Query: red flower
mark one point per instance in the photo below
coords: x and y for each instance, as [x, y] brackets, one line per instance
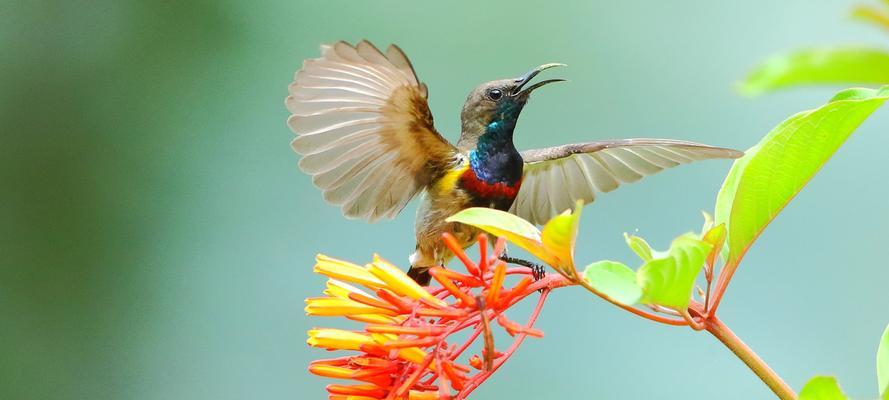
[408, 349]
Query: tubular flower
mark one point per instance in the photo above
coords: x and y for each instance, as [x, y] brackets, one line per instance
[408, 348]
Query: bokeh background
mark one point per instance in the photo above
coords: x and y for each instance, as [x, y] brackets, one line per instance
[157, 238]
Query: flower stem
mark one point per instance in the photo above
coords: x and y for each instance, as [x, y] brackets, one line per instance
[479, 379]
[746, 354]
[634, 310]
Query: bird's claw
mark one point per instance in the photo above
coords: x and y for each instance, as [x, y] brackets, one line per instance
[538, 271]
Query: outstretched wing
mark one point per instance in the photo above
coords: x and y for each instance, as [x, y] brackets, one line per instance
[364, 129]
[556, 177]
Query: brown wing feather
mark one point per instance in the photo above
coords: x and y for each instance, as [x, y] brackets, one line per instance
[581, 170]
[364, 129]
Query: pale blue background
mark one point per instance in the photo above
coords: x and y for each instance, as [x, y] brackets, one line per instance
[157, 237]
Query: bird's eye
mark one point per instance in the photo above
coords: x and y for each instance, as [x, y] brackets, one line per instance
[495, 94]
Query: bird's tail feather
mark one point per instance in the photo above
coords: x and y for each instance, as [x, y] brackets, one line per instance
[420, 275]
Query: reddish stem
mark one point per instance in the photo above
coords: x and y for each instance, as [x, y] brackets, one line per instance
[547, 283]
[482, 377]
[725, 276]
[466, 344]
[749, 357]
[413, 378]
[634, 310]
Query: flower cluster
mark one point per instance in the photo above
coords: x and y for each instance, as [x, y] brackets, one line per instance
[407, 348]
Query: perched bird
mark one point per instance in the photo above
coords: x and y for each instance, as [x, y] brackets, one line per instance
[365, 132]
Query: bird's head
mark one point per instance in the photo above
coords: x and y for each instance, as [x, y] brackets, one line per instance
[500, 101]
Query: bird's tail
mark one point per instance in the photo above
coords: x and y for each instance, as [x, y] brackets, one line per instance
[420, 275]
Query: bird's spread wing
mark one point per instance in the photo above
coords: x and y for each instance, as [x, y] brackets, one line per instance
[364, 128]
[556, 177]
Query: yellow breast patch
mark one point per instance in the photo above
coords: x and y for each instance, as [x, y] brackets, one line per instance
[448, 182]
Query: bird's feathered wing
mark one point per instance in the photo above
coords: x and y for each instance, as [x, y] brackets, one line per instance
[364, 128]
[555, 178]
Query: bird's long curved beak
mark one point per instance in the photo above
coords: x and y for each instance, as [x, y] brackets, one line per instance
[524, 79]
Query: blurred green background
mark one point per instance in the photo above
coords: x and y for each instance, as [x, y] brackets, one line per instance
[157, 237]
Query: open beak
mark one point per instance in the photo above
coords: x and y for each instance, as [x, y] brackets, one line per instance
[524, 79]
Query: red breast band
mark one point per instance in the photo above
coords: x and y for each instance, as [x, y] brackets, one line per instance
[480, 188]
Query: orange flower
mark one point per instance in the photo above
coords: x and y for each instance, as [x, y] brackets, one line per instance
[405, 351]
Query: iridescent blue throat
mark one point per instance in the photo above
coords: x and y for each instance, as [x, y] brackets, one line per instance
[495, 158]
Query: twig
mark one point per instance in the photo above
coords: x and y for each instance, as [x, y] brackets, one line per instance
[749, 357]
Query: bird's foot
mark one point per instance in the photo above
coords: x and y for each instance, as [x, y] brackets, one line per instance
[538, 271]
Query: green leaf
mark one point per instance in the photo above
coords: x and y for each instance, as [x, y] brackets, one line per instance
[771, 173]
[668, 281]
[483, 217]
[639, 246]
[883, 365]
[840, 65]
[560, 235]
[614, 280]
[716, 237]
[508, 226]
[708, 223]
[822, 388]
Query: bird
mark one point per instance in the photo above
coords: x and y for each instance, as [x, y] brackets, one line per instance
[366, 136]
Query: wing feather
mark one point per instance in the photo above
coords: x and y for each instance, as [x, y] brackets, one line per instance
[574, 173]
[327, 160]
[364, 129]
[556, 177]
[603, 179]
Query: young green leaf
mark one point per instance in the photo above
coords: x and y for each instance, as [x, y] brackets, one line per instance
[716, 237]
[883, 365]
[614, 280]
[822, 388]
[482, 217]
[668, 281]
[771, 173]
[559, 236]
[639, 246]
[841, 65]
[508, 226]
[708, 223]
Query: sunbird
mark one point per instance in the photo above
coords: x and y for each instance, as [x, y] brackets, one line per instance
[366, 136]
